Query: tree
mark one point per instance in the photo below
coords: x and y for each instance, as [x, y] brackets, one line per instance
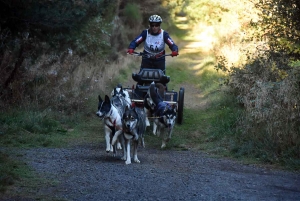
[29, 28]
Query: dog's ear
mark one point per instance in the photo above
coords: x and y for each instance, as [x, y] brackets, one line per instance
[100, 99]
[107, 99]
[115, 91]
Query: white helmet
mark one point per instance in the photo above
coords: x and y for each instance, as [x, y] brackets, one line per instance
[155, 18]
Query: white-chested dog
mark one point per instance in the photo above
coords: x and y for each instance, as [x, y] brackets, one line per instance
[164, 124]
[164, 114]
[111, 112]
[134, 127]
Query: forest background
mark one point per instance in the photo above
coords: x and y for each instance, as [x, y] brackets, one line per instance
[57, 56]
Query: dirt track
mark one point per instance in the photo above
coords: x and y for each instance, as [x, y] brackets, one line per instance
[86, 172]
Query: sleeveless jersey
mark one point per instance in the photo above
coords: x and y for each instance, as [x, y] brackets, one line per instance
[154, 44]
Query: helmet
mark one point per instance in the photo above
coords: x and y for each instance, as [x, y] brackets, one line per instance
[155, 18]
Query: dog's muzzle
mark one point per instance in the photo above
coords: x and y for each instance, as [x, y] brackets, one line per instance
[100, 116]
[128, 128]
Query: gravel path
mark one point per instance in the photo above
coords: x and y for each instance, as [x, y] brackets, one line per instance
[86, 172]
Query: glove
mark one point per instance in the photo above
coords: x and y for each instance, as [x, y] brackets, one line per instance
[174, 54]
[130, 51]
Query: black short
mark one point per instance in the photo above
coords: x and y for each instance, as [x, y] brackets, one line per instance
[153, 63]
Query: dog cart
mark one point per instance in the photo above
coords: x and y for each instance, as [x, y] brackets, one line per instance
[144, 78]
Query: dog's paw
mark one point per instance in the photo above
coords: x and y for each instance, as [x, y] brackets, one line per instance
[147, 122]
[137, 160]
[143, 143]
[136, 137]
[163, 145]
[127, 162]
[119, 145]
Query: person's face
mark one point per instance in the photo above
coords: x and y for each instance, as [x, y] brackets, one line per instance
[154, 27]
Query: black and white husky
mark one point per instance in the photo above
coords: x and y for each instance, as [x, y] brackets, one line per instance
[164, 114]
[134, 127]
[111, 112]
[120, 92]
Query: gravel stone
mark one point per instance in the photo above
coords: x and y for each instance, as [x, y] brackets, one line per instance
[87, 172]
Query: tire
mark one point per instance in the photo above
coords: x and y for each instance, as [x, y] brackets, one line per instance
[180, 106]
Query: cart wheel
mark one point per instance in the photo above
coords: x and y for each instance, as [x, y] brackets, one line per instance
[180, 105]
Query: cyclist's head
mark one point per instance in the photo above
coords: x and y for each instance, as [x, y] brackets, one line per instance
[155, 19]
[154, 22]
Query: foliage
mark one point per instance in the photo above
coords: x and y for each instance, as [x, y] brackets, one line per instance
[45, 21]
[280, 25]
[132, 14]
[271, 102]
[40, 17]
[43, 42]
[267, 85]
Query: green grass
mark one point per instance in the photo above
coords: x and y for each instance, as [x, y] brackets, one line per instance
[9, 171]
[30, 129]
[33, 128]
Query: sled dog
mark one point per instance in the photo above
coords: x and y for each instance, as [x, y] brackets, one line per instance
[134, 127]
[163, 113]
[120, 92]
[149, 104]
[110, 111]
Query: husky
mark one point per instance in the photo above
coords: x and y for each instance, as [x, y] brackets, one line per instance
[119, 91]
[111, 112]
[134, 127]
[165, 124]
[164, 114]
[149, 104]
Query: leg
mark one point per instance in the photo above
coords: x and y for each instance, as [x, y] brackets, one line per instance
[108, 133]
[119, 146]
[164, 141]
[135, 146]
[128, 160]
[122, 140]
[143, 141]
[163, 144]
[116, 136]
[154, 128]
[169, 134]
[157, 127]
[114, 150]
[147, 120]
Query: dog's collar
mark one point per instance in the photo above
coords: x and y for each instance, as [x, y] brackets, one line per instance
[110, 120]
